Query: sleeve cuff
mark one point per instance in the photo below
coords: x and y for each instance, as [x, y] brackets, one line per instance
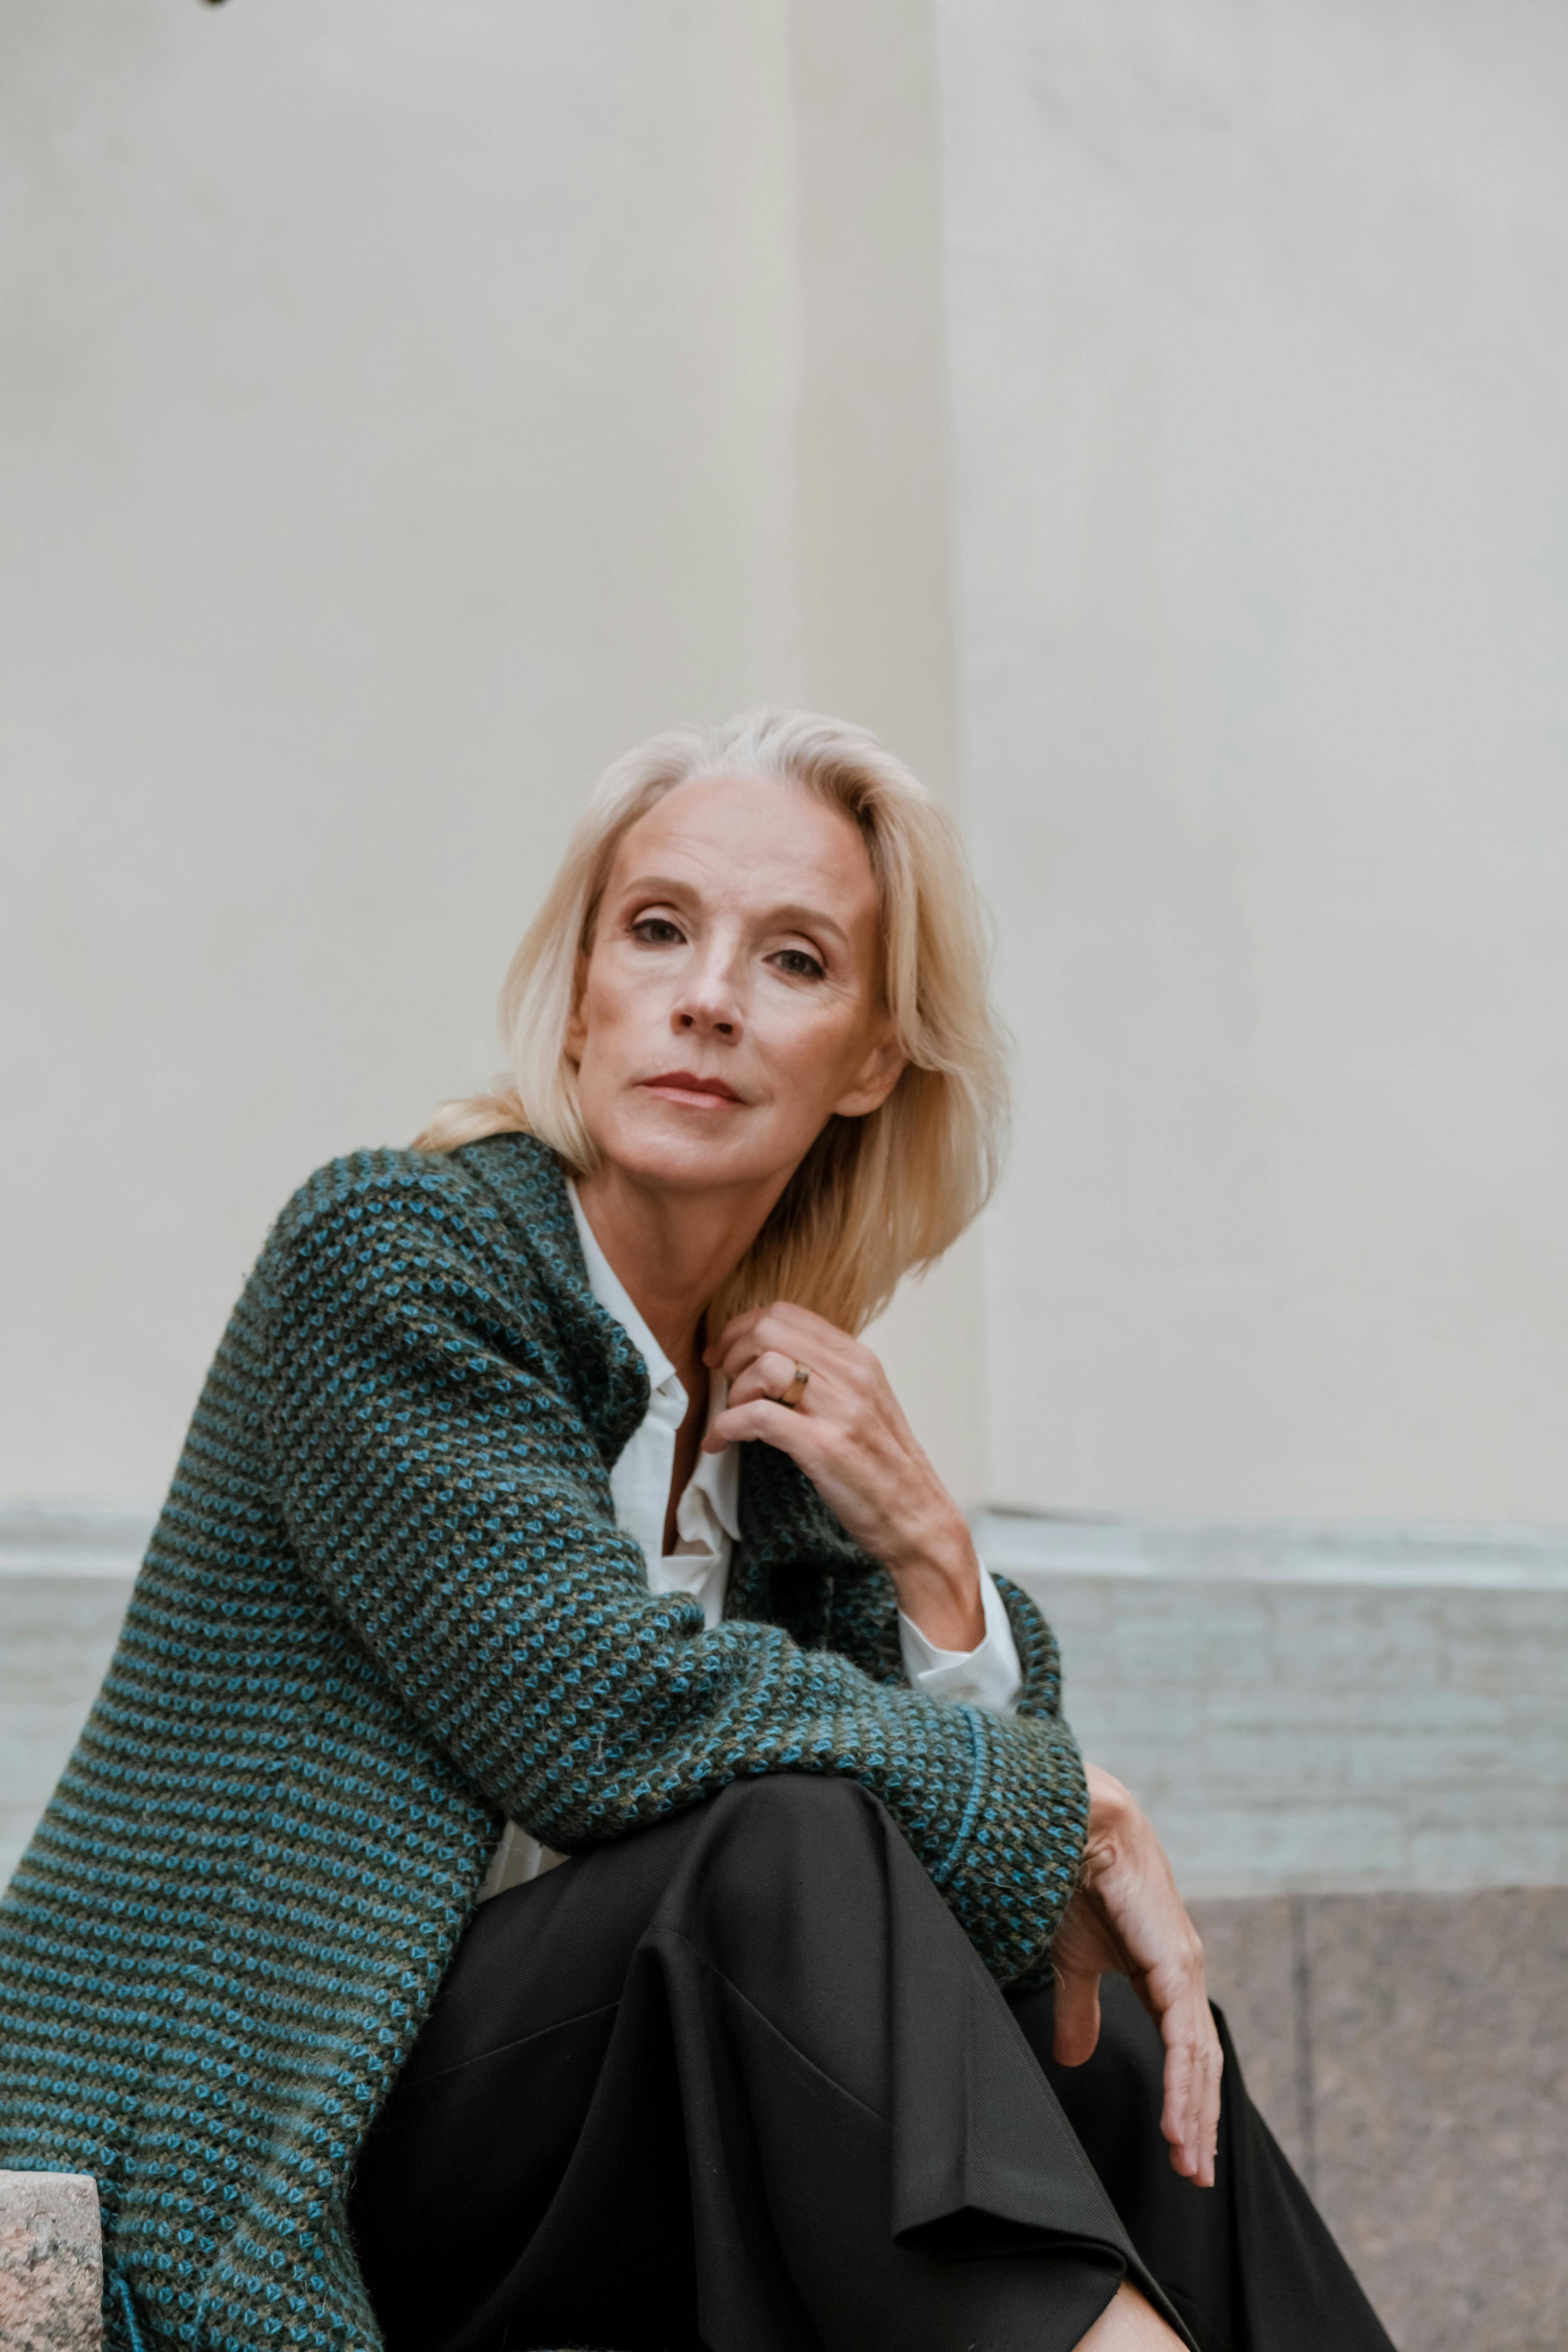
[989, 1675]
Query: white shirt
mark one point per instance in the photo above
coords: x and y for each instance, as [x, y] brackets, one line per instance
[708, 1525]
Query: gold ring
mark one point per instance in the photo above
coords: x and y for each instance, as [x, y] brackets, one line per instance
[796, 1388]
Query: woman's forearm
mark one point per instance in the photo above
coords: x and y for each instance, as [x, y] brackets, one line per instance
[938, 1583]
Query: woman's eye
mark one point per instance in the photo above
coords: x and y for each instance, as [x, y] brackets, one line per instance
[657, 932]
[798, 963]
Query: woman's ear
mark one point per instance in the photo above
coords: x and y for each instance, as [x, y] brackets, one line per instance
[878, 1073]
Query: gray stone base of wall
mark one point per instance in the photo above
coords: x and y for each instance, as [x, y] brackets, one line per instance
[1317, 1710]
[1410, 2054]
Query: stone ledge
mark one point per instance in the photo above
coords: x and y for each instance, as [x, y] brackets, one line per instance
[1304, 1709]
[1317, 1709]
[51, 2263]
[1239, 1551]
[90, 1539]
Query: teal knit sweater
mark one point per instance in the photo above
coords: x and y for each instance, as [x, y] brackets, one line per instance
[387, 1605]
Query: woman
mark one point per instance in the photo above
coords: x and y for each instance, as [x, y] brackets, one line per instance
[542, 1505]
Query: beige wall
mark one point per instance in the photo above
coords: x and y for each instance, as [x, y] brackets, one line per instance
[876, 614]
[1149, 417]
[1257, 326]
[405, 407]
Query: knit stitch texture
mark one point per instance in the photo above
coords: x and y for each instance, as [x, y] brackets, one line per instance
[386, 1607]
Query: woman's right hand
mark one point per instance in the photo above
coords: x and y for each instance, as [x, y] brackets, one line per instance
[1127, 1919]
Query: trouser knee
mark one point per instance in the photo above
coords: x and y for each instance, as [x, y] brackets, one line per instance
[787, 1848]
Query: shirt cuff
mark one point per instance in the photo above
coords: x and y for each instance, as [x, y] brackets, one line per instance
[988, 1675]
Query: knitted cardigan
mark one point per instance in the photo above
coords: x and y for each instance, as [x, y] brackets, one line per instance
[387, 1605]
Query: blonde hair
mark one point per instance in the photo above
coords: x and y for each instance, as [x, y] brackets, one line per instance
[873, 1198]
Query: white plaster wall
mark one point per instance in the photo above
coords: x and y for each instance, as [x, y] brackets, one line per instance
[876, 548]
[402, 407]
[400, 403]
[1258, 331]
[405, 407]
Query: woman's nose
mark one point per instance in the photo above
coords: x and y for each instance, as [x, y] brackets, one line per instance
[709, 1003]
[714, 1019]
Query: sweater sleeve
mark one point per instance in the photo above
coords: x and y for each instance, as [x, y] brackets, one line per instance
[444, 1490]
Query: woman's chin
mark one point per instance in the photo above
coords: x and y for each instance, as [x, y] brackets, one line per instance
[688, 1151]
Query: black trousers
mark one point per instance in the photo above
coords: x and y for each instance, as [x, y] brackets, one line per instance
[740, 2084]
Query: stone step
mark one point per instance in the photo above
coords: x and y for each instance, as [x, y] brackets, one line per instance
[51, 2263]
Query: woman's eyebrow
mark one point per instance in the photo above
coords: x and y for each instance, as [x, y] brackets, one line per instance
[654, 885]
[806, 919]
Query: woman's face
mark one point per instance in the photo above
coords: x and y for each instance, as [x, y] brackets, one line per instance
[731, 1002]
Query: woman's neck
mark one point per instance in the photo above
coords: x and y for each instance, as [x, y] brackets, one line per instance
[672, 1250]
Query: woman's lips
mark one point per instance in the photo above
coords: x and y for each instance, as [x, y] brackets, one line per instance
[696, 1093]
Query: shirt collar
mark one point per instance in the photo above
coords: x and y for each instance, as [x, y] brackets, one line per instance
[717, 1474]
[615, 1299]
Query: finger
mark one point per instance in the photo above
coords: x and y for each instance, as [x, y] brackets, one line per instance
[788, 1325]
[788, 1335]
[1077, 2018]
[1183, 2117]
[738, 1327]
[1212, 2094]
[1179, 2114]
[1204, 2097]
[767, 1375]
[776, 1425]
[741, 1365]
[1190, 2117]
[763, 1338]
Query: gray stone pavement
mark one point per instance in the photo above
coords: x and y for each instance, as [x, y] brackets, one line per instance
[1410, 2052]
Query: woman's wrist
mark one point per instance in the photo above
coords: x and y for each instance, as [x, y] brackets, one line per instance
[1114, 1813]
[938, 1582]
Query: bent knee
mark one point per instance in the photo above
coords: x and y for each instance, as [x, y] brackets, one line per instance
[792, 1804]
[794, 1842]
